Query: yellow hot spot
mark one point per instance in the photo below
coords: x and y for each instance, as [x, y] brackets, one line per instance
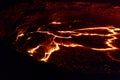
[33, 50]
[19, 35]
[49, 51]
[54, 22]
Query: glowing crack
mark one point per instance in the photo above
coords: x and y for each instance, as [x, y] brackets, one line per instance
[53, 46]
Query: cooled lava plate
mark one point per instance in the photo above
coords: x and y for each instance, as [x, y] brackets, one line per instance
[74, 36]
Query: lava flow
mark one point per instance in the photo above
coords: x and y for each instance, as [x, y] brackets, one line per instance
[55, 39]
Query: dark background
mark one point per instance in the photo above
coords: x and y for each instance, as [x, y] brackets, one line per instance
[17, 66]
[5, 3]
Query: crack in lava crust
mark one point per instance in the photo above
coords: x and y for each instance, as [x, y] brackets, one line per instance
[51, 45]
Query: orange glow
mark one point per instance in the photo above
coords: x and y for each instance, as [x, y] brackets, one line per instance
[19, 35]
[54, 22]
[49, 50]
[54, 46]
[71, 45]
[33, 50]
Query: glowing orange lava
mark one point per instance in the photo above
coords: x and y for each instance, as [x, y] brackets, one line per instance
[53, 45]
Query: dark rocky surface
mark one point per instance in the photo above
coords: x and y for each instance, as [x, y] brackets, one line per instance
[16, 65]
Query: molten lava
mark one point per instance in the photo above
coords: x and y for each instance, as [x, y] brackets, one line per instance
[52, 45]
